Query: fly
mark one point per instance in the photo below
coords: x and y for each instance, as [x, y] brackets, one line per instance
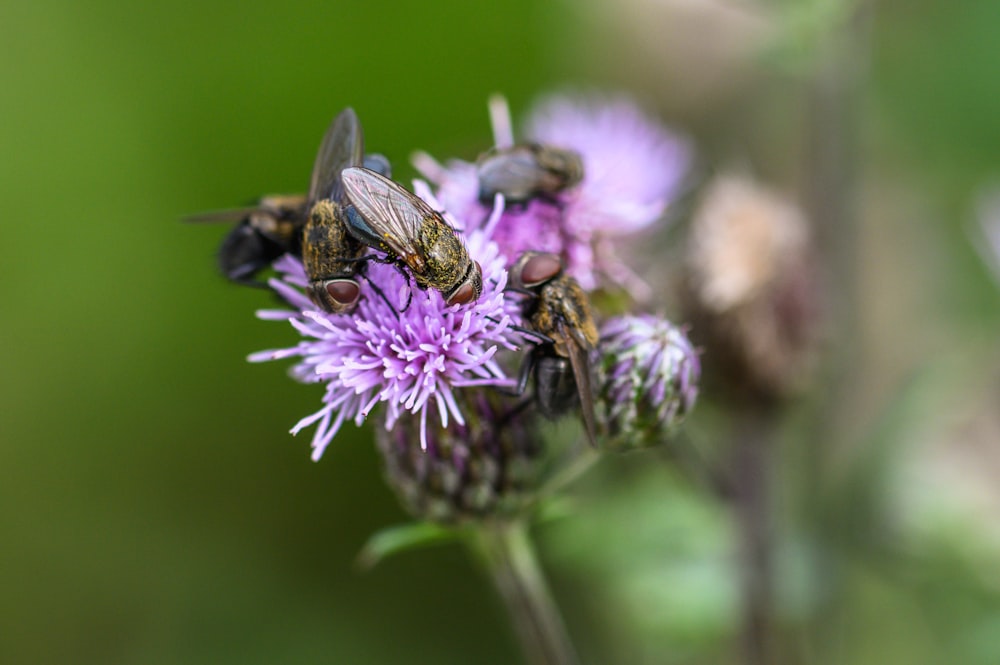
[559, 313]
[411, 235]
[526, 171]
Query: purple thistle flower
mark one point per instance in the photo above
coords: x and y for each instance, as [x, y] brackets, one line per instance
[411, 360]
[650, 380]
[633, 168]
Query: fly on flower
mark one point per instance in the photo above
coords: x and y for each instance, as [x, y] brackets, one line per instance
[332, 256]
[410, 233]
[275, 225]
[526, 171]
[559, 312]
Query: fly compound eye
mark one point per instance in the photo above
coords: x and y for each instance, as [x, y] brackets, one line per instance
[470, 289]
[539, 268]
[343, 293]
[465, 294]
[477, 279]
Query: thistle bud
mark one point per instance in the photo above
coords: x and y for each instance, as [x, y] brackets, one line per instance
[650, 374]
[487, 467]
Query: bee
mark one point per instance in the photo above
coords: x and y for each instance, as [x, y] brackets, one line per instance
[275, 225]
[559, 314]
[526, 171]
[411, 234]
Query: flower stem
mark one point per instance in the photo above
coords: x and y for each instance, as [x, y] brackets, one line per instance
[509, 556]
[752, 489]
[578, 461]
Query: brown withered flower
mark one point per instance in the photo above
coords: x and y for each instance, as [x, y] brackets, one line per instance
[751, 290]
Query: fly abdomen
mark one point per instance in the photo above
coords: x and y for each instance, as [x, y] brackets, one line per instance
[329, 250]
[556, 392]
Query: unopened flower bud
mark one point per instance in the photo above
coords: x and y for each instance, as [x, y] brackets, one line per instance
[490, 466]
[650, 374]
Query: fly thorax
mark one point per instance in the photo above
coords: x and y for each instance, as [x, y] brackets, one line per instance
[443, 251]
[322, 212]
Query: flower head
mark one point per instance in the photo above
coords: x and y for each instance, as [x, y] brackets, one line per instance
[488, 466]
[591, 171]
[753, 288]
[650, 380]
[413, 359]
[632, 169]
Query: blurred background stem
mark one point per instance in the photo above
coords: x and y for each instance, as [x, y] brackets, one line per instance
[834, 134]
[751, 484]
[510, 558]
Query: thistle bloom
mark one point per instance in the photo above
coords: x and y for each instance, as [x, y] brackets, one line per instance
[412, 360]
[420, 360]
[650, 380]
[632, 169]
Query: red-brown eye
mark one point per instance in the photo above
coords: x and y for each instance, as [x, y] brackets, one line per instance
[344, 292]
[539, 269]
[465, 294]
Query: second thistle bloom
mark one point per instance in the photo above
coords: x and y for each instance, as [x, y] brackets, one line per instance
[632, 170]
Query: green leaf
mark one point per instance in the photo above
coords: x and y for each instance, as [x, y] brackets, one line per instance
[394, 539]
[556, 508]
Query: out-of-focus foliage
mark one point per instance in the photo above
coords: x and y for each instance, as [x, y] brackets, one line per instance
[153, 508]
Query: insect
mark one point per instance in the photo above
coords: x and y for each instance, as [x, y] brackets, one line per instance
[263, 233]
[275, 225]
[330, 254]
[526, 171]
[559, 313]
[411, 235]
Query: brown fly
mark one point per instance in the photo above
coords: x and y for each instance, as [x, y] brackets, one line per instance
[558, 312]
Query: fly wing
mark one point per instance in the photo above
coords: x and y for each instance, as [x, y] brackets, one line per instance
[510, 172]
[342, 146]
[278, 207]
[394, 215]
[579, 360]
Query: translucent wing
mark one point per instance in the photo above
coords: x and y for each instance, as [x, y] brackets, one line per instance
[342, 146]
[579, 360]
[276, 207]
[393, 215]
[514, 170]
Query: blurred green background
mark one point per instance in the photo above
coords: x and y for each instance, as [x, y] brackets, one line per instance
[153, 508]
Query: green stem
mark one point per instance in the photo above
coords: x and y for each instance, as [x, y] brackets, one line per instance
[510, 559]
[578, 461]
